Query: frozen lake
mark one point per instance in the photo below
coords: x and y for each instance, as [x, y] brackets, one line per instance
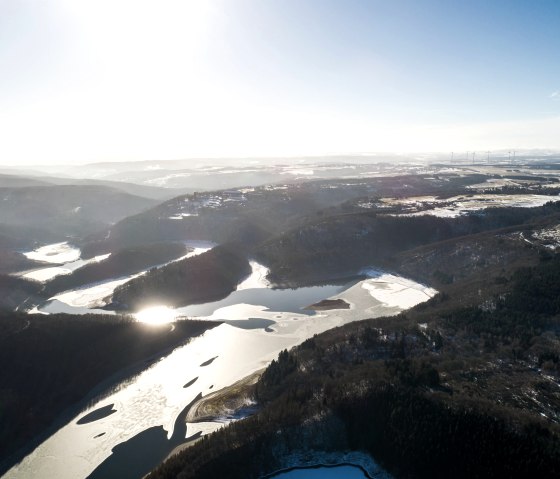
[54, 253]
[335, 472]
[142, 418]
[147, 408]
[89, 298]
[45, 274]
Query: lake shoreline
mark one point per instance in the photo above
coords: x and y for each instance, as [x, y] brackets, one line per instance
[317, 466]
[101, 390]
[292, 326]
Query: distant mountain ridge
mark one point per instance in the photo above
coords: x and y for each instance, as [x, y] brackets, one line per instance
[67, 210]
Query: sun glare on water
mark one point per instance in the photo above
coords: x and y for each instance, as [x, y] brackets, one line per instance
[156, 315]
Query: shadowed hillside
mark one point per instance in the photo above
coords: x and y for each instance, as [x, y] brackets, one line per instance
[207, 277]
[62, 211]
[447, 389]
[121, 263]
[56, 360]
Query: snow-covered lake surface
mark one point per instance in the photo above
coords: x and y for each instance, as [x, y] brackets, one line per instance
[83, 300]
[54, 253]
[65, 257]
[396, 291]
[46, 274]
[257, 279]
[87, 298]
[260, 322]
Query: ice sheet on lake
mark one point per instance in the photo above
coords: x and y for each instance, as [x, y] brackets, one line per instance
[54, 253]
[46, 274]
[90, 296]
[396, 291]
[257, 279]
[157, 395]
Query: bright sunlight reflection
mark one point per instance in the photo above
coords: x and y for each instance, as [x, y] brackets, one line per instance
[156, 315]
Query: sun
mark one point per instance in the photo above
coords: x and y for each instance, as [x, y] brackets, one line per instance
[156, 315]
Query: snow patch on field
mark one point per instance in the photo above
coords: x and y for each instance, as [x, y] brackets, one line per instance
[461, 205]
[549, 237]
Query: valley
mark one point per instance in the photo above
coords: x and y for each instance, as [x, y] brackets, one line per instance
[392, 283]
[279, 239]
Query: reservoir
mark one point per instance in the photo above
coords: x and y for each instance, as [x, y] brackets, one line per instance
[143, 417]
[334, 472]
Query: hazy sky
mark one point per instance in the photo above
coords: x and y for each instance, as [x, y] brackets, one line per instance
[100, 80]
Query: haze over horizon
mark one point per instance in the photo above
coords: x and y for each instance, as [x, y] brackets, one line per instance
[120, 80]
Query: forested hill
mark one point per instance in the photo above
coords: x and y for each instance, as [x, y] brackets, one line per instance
[15, 291]
[209, 276]
[34, 215]
[93, 205]
[343, 243]
[39, 381]
[252, 215]
[11, 260]
[447, 389]
[120, 263]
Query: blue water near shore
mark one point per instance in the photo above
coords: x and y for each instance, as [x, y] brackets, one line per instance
[281, 300]
[278, 300]
[335, 472]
